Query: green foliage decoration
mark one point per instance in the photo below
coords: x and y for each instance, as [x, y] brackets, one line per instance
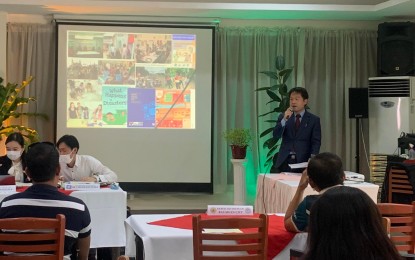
[11, 98]
[238, 136]
[279, 102]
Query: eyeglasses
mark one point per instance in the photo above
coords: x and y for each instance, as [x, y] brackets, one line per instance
[36, 143]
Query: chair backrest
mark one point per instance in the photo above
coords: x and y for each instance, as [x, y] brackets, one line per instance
[250, 244]
[402, 221]
[386, 223]
[32, 236]
[398, 182]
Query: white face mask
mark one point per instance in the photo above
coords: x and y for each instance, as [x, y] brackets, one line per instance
[14, 155]
[65, 158]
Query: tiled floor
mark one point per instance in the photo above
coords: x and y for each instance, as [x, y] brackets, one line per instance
[177, 202]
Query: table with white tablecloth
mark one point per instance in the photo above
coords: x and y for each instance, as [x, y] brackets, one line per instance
[108, 210]
[275, 191]
[165, 243]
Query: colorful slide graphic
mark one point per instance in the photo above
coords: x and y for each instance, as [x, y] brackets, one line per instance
[130, 80]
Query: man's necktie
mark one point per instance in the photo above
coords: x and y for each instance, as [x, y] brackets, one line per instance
[297, 122]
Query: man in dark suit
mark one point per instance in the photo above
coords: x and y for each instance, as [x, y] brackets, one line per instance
[300, 132]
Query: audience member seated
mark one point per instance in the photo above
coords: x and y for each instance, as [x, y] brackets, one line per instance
[43, 200]
[323, 172]
[346, 224]
[75, 167]
[13, 163]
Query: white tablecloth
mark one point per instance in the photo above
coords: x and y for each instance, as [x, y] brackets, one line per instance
[275, 191]
[166, 243]
[108, 212]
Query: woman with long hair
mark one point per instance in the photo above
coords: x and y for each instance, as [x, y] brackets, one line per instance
[345, 224]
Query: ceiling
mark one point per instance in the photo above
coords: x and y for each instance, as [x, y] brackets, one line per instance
[223, 9]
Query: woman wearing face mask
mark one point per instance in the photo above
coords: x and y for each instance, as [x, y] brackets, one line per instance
[13, 163]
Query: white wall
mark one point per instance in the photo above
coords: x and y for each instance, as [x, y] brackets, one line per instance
[3, 43]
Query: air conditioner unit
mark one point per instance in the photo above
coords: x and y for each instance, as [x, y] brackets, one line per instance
[391, 112]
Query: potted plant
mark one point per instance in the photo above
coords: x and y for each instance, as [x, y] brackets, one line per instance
[239, 139]
[11, 98]
[279, 102]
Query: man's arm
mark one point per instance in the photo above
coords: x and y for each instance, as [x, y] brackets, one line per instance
[281, 121]
[83, 245]
[288, 222]
[98, 168]
[316, 138]
[109, 174]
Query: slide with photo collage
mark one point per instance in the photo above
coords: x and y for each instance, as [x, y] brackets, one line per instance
[130, 80]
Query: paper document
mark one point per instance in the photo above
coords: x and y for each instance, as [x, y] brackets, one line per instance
[298, 165]
[353, 176]
[293, 173]
[221, 231]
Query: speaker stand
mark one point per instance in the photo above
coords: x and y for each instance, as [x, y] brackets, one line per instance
[357, 157]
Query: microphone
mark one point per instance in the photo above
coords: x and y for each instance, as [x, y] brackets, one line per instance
[289, 115]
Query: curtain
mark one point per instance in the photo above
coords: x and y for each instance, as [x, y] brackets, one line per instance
[31, 52]
[334, 62]
[326, 62]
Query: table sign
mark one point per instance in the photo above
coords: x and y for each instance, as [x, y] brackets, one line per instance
[7, 189]
[228, 210]
[76, 185]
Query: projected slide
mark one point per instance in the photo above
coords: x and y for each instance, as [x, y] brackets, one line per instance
[130, 80]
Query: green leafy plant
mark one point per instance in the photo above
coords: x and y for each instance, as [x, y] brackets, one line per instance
[238, 136]
[11, 98]
[279, 102]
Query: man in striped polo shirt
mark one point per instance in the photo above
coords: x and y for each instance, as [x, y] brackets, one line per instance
[43, 200]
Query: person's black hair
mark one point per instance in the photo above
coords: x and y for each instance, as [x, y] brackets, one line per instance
[302, 91]
[325, 170]
[345, 224]
[42, 161]
[69, 140]
[17, 137]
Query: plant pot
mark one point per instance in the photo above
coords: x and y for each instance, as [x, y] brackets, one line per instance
[238, 152]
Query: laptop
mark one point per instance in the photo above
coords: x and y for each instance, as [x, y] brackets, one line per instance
[7, 180]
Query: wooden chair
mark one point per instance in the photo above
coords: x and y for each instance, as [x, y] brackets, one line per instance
[386, 223]
[33, 236]
[402, 221]
[254, 242]
[398, 182]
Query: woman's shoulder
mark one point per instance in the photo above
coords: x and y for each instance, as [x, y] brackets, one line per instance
[4, 158]
[5, 164]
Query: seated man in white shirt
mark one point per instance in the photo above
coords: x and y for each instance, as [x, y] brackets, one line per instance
[75, 167]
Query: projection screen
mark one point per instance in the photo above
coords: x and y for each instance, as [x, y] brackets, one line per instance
[139, 99]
